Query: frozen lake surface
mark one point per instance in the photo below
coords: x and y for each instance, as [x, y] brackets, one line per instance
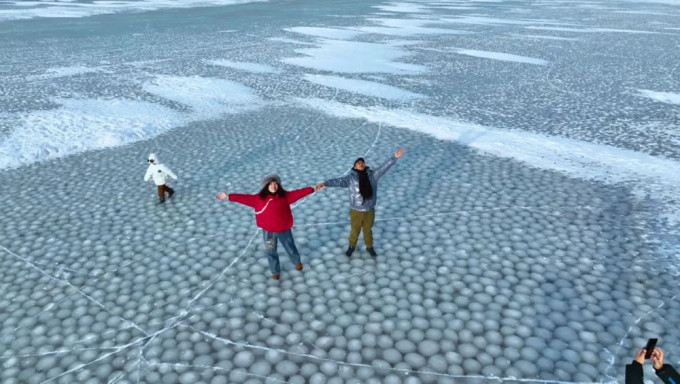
[530, 233]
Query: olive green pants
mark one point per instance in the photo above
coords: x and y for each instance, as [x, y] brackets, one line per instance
[361, 220]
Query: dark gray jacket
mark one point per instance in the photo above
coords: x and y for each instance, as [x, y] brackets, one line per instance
[351, 180]
[667, 374]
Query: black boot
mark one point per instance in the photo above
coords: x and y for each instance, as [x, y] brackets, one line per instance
[349, 251]
[371, 252]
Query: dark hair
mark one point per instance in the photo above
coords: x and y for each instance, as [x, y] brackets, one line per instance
[264, 192]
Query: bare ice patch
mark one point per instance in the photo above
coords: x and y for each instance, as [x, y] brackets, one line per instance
[406, 27]
[53, 73]
[663, 97]
[502, 56]
[83, 124]
[363, 87]
[648, 175]
[243, 66]
[455, 7]
[546, 37]
[290, 41]
[207, 97]
[354, 57]
[590, 30]
[643, 13]
[667, 2]
[483, 20]
[329, 33]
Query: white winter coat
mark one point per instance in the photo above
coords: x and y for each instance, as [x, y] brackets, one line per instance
[160, 173]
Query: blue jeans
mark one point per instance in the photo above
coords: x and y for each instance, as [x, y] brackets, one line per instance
[271, 240]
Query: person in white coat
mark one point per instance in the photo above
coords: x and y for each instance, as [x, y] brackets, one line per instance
[160, 174]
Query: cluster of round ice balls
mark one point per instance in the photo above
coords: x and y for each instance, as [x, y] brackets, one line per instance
[485, 269]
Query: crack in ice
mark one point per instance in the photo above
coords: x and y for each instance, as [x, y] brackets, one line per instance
[288, 328]
[399, 370]
[612, 360]
[67, 283]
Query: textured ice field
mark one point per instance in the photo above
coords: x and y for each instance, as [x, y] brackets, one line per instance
[529, 234]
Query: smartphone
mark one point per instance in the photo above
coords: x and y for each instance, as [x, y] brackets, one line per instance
[651, 344]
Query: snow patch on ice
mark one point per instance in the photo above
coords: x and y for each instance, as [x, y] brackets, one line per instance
[243, 66]
[501, 56]
[80, 125]
[354, 57]
[290, 41]
[329, 33]
[410, 31]
[34, 9]
[363, 87]
[83, 124]
[649, 175]
[207, 97]
[402, 8]
[663, 97]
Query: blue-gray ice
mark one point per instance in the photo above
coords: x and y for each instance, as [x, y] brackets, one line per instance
[529, 233]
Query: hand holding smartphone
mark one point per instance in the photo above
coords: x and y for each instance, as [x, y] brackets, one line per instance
[651, 344]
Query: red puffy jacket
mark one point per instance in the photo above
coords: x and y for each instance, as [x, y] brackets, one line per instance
[272, 213]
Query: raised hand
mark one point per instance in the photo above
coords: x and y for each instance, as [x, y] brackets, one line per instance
[640, 356]
[319, 186]
[221, 196]
[657, 358]
[399, 152]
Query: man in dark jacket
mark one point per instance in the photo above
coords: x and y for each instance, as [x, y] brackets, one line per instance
[666, 372]
[362, 182]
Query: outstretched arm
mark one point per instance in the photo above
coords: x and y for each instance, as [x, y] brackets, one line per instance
[293, 196]
[381, 170]
[245, 199]
[342, 181]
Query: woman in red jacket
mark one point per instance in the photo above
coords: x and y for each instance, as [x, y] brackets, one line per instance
[273, 215]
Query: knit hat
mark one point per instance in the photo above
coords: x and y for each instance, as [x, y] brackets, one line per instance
[153, 158]
[269, 178]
